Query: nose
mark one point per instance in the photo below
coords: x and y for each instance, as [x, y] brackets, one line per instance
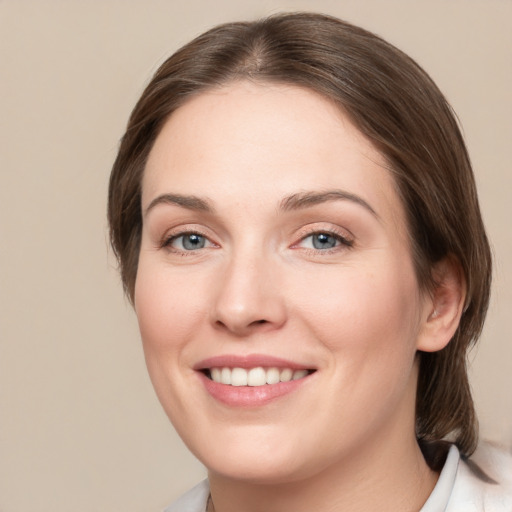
[249, 296]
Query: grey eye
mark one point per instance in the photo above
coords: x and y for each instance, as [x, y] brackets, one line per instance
[323, 241]
[192, 241]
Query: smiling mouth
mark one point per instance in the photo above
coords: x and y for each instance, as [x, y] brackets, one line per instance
[254, 377]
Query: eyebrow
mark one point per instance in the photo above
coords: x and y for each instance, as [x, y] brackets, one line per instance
[185, 201]
[308, 199]
[293, 202]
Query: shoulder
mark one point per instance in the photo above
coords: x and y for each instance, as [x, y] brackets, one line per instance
[193, 500]
[483, 482]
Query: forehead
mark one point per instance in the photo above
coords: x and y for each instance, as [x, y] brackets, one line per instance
[243, 138]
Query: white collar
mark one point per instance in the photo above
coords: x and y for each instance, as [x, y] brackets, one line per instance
[438, 499]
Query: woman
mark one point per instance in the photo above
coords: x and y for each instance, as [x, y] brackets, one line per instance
[297, 226]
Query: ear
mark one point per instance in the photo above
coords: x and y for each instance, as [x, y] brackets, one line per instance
[443, 307]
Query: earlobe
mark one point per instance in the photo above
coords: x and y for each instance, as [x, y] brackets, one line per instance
[444, 306]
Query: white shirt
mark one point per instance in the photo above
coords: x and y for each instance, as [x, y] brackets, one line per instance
[484, 484]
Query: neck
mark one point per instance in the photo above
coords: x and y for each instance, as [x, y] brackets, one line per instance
[395, 481]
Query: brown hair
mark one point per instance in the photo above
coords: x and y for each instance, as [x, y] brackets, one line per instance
[394, 104]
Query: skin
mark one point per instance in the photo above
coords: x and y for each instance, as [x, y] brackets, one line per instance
[353, 312]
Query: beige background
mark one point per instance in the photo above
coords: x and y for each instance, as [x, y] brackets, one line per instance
[80, 428]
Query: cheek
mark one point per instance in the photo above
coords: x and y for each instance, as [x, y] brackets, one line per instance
[167, 311]
[167, 314]
[364, 312]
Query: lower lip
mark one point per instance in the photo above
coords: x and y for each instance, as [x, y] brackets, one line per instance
[250, 396]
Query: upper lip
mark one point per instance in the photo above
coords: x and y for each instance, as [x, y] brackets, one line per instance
[249, 361]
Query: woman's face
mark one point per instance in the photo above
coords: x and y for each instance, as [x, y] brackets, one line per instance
[274, 242]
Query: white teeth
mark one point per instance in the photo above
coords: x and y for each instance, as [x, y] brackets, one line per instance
[216, 374]
[258, 376]
[286, 375]
[225, 376]
[299, 374]
[272, 376]
[238, 377]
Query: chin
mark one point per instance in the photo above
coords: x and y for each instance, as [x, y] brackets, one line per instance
[256, 459]
[257, 469]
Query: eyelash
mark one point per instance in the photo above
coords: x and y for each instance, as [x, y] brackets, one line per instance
[168, 241]
[342, 242]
